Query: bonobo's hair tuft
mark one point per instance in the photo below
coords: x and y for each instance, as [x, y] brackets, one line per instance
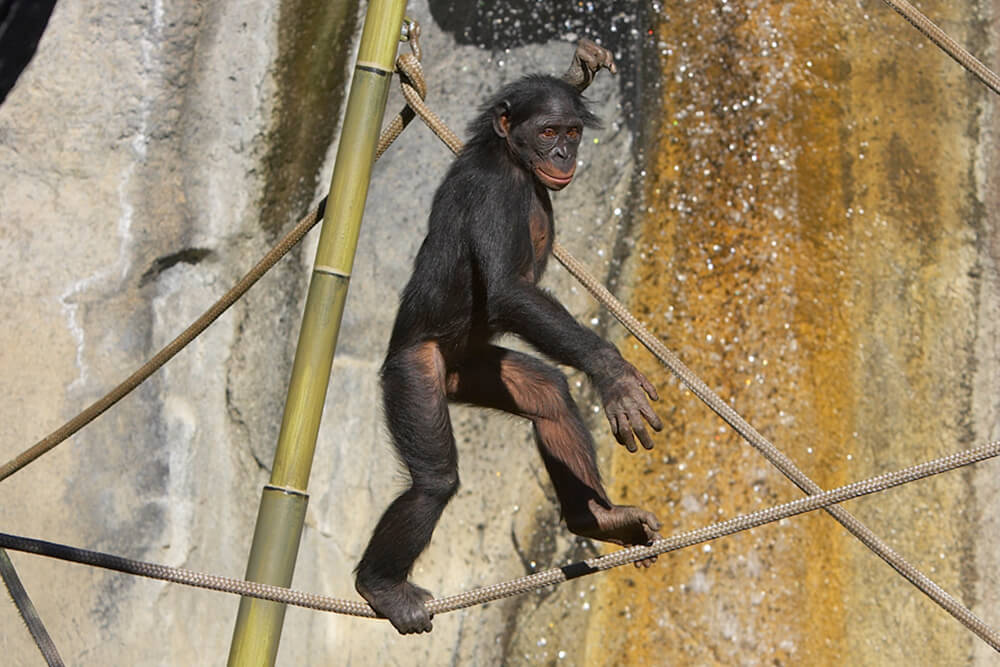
[522, 98]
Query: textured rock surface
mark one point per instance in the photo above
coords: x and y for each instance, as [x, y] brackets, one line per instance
[823, 253]
[151, 152]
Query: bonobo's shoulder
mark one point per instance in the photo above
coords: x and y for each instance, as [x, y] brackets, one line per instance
[473, 176]
[458, 199]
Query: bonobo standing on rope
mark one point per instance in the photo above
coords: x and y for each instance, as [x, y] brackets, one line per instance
[475, 276]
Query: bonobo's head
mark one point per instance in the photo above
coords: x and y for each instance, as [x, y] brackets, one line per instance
[541, 119]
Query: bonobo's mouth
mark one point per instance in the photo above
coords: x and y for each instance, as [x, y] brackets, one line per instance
[557, 180]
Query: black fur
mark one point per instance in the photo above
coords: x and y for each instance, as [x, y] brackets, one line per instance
[475, 276]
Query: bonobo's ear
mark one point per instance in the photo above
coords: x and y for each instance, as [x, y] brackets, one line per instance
[501, 118]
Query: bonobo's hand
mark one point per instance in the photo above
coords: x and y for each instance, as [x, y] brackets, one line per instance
[587, 62]
[623, 392]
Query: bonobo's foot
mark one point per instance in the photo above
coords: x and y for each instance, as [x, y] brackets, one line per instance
[619, 524]
[402, 603]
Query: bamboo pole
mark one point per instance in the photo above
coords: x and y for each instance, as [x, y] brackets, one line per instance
[283, 501]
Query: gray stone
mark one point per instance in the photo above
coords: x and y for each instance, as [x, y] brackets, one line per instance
[143, 167]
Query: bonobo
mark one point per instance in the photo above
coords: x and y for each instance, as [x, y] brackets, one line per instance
[475, 277]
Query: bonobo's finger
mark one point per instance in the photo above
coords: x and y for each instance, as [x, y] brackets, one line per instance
[650, 524]
[609, 62]
[595, 56]
[653, 523]
[624, 435]
[645, 562]
[651, 417]
[635, 420]
[645, 438]
[648, 387]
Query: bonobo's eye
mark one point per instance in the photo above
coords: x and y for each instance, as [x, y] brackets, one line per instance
[548, 133]
[574, 133]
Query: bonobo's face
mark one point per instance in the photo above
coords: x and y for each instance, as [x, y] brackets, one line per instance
[546, 141]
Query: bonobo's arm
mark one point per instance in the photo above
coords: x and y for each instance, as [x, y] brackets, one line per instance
[587, 62]
[519, 307]
[619, 384]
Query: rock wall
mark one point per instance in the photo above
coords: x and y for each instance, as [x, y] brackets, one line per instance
[820, 247]
[800, 200]
[150, 154]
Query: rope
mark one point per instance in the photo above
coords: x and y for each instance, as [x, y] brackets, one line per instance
[414, 90]
[28, 612]
[516, 586]
[773, 454]
[280, 249]
[932, 32]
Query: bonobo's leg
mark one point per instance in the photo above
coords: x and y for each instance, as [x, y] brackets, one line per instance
[416, 411]
[523, 385]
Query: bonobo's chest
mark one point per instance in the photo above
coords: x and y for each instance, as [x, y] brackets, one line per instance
[540, 231]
